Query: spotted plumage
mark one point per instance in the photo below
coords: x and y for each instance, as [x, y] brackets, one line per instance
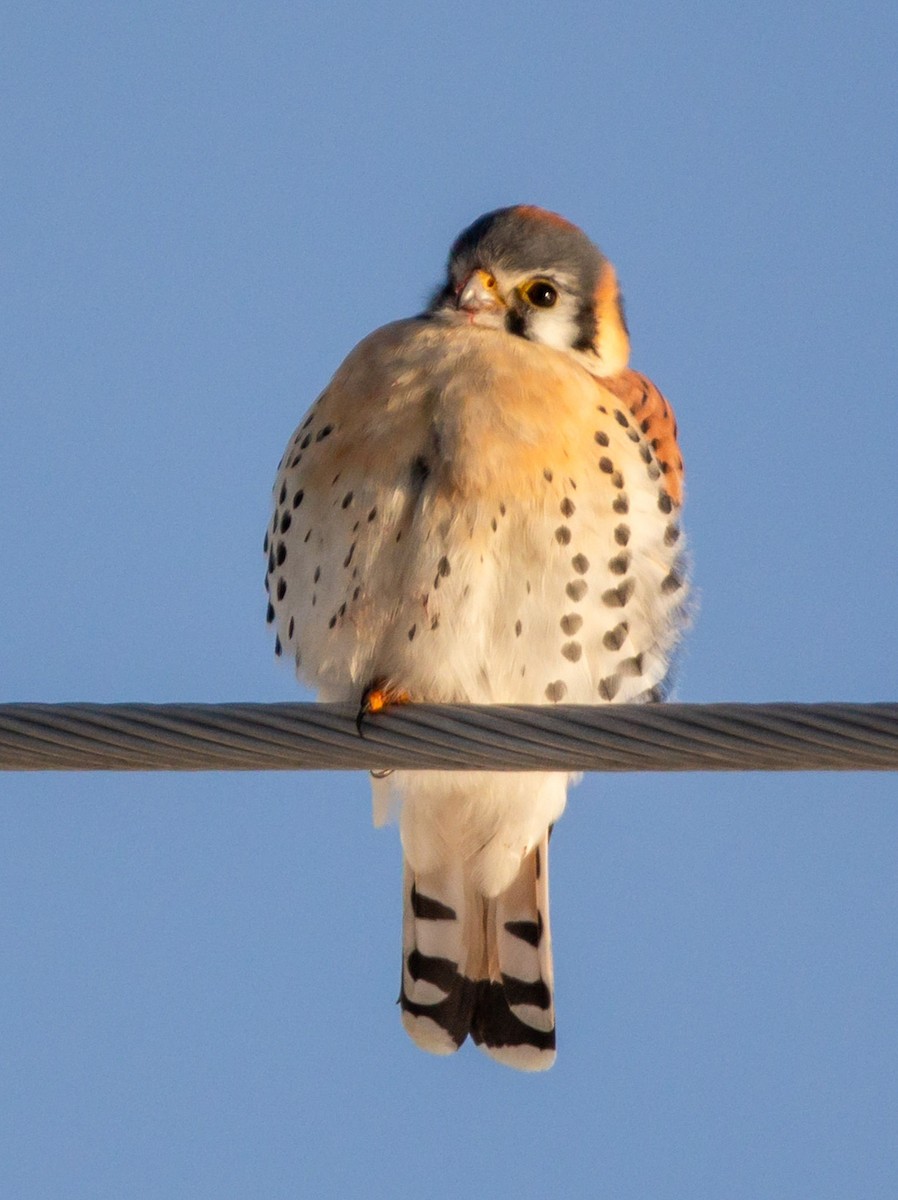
[482, 507]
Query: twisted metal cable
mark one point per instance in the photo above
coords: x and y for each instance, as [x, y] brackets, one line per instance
[296, 737]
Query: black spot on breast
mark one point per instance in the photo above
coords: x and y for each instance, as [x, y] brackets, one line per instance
[306, 538]
[278, 648]
[577, 589]
[606, 465]
[571, 623]
[614, 639]
[580, 563]
[547, 475]
[645, 453]
[298, 498]
[294, 462]
[286, 522]
[602, 438]
[269, 616]
[412, 632]
[306, 442]
[518, 628]
[283, 496]
[563, 535]
[567, 507]
[572, 651]
[665, 503]
[265, 543]
[618, 597]
[556, 691]
[671, 535]
[622, 535]
[609, 687]
[494, 526]
[356, 593]
[291, 627]
[671, 583]
[317, 575]
[443, 567]
[347, 500]
[323, 432]
[621, 418]
[281, 588]
[631, 666]
[348, 559]
[332, 622]
[621, 505]
[420, 472]
[502, 509]
[619, 565]
[281, 554]
[617, 479]
[372, 514]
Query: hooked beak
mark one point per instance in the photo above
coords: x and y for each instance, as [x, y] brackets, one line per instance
[479, 293]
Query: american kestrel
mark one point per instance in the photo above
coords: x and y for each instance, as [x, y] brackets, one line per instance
[482, 506]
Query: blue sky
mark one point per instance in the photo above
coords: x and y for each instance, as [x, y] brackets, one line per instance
[202, 209]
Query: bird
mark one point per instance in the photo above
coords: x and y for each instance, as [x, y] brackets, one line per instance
[483, 506]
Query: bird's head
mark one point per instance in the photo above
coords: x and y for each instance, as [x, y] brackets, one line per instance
[534, 275]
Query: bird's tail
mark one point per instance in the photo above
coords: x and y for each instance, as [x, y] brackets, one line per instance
[480, 965]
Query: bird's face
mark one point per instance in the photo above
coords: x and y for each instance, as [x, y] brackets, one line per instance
[533, 275]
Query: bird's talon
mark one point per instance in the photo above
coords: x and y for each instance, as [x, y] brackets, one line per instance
[376, 699]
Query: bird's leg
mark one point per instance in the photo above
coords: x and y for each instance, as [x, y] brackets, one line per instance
[375, 698]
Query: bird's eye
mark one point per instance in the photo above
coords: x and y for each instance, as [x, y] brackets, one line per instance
[541, 294]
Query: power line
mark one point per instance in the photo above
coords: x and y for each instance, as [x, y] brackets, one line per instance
[295, 737]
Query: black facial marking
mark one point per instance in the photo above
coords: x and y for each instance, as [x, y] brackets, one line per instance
[515, 323]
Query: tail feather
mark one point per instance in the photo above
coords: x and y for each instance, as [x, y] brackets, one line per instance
[437, 997]
[479, 965]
